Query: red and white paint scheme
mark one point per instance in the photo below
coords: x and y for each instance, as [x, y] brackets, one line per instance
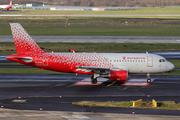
[115, 66]
[7, 7]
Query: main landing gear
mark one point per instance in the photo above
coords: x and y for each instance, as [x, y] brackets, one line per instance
[94, 78]
[148, 78]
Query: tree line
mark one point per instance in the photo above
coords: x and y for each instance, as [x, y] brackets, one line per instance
[100, 3]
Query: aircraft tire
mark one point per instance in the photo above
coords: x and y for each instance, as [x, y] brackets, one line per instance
[93, 80]
[148, 80]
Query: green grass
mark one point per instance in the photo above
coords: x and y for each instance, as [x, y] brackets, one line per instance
[9, 48]
[142, 11]
[176, 63]
[28, 71]
[55, 30]
[163, 105]
[92, 26]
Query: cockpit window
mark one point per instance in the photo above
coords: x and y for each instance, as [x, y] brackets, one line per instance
[162, 60]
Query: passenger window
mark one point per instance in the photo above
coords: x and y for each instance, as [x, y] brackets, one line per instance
[114, 60]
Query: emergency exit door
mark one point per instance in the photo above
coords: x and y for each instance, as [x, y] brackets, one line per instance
[149, 61]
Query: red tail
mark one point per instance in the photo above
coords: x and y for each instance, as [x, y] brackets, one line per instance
[22, 40]
[10, 2]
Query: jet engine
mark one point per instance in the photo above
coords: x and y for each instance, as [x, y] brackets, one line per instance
[120, 75]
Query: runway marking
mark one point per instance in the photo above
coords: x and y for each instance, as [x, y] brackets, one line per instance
[111, 84]
[137, 82]
[87, 81]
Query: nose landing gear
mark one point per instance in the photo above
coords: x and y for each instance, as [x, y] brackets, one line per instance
[148, 78]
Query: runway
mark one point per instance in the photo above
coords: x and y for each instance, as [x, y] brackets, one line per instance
[98, 39]
[40, 89]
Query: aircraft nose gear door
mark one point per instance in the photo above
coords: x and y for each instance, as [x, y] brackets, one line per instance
[149, 61]
[45, 62]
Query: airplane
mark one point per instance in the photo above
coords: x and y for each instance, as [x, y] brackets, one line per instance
[6, 6]
[115, 66]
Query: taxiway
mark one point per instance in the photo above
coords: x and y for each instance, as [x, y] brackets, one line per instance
[98, 39]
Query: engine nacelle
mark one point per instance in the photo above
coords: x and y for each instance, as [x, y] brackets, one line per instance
[121, 75]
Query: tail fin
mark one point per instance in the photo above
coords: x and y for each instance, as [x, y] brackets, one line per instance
[22, 40]
[10, 2]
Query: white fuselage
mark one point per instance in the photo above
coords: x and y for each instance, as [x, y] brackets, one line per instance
[139, 62]
[3, 6]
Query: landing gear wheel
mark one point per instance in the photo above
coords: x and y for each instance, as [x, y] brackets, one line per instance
[148, 80]
[93, 80]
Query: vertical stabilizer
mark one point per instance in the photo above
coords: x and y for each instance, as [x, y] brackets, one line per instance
[10, 2]
[22, 40]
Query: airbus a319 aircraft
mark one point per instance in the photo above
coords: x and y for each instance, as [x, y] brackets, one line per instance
[6, 6]
[115, 66]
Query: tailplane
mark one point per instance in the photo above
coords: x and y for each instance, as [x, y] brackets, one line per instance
[22, 40]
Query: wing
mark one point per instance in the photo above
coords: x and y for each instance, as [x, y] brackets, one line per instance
[98, 70]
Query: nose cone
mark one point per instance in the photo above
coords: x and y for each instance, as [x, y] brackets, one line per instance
[171, 66]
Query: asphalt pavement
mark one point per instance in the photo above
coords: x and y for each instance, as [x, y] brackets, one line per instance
[98, 39]
[59, 92]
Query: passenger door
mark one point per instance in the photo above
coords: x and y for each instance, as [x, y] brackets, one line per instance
[149, 61]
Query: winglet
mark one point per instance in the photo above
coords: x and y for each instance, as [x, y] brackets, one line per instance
[22, 40]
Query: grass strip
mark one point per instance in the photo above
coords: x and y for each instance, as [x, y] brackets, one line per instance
[9, 48]
[142, 11]
[51, 30]
[28, 71]
[162, 105]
